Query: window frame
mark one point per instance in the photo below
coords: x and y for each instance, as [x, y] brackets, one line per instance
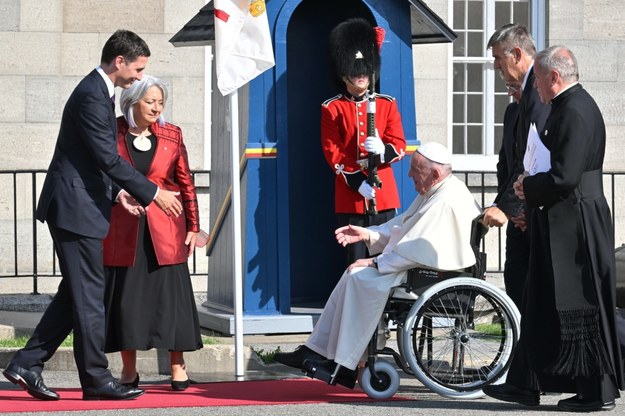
[486, 161]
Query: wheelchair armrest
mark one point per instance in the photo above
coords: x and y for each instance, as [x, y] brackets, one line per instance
[419, 278]
[478, 231]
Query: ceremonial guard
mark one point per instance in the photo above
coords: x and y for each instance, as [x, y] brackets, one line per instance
[346, 141]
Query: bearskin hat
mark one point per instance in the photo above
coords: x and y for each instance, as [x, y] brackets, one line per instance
[355, 49]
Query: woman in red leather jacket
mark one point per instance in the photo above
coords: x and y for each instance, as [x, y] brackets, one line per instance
[150, 301]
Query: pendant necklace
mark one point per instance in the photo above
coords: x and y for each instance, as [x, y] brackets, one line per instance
[142, 143]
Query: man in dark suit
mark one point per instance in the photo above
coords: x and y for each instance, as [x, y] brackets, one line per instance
[515, 257]
[505, 165]
[568, 341]
[84, 175]
[513, 51]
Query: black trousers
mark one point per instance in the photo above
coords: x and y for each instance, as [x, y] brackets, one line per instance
[359, 250]
[79, 306]
[517, 263]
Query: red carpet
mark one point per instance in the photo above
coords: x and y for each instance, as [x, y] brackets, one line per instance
[296, 391]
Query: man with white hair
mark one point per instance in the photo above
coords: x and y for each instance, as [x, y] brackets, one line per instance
[569, 342]
[434, 232]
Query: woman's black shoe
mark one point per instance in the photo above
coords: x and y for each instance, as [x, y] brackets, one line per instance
[133, 384]
[180, 385]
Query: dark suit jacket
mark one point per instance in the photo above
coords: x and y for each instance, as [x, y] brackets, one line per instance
[531, 110]
[505, 165]
[76, 194]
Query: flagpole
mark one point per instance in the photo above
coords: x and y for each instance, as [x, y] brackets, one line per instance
[236, 235]
[243, 51]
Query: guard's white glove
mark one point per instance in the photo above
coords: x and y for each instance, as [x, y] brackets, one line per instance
[366, 190]
[374, 144]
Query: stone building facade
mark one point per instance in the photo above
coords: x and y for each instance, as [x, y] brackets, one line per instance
[592, 29]
[46, 47]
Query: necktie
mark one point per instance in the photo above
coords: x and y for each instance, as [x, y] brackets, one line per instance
[113, 102]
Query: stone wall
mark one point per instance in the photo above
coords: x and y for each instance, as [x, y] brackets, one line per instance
[431, 73]
[593, 30]
[47, 47]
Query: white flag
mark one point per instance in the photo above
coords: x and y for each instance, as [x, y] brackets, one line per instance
[242, 42]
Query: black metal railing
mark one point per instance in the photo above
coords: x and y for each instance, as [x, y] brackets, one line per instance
[26, 249]
[483, 186]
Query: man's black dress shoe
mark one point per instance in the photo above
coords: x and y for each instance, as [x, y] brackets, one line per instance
[30, 381]
[323, 370]
[508, 393]
[296, 358]
[111, 391]
[577, 404]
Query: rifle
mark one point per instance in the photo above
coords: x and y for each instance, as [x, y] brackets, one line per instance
[372, 162]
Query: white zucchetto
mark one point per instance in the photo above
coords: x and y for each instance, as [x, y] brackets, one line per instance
[435, 152]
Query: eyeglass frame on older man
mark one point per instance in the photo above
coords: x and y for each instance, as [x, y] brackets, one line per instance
[512, 89]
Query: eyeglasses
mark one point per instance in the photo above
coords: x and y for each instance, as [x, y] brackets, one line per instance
[512, 89]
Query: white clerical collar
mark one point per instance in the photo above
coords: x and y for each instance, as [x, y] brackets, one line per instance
[107, 80]
[565, 88]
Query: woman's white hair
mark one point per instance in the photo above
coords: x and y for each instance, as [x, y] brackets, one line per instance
[131, 96]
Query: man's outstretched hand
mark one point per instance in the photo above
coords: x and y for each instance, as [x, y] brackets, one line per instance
[168, 202]
[351, 234]
[130, 204]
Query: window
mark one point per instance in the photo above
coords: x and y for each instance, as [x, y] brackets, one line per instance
[479, 95]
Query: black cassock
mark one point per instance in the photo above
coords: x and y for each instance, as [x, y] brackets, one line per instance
[568, 329]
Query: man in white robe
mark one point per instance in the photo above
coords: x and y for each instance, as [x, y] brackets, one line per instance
[434, 232]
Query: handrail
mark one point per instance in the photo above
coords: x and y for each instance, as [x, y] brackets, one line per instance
[223, 210]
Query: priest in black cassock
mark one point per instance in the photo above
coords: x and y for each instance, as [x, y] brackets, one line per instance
[569, 341]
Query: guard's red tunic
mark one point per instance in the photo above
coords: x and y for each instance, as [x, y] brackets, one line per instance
[343, 134]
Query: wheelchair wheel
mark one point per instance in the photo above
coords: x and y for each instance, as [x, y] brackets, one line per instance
[459, 336]
[384, 387]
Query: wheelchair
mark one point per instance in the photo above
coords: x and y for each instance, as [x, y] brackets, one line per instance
[457, 336]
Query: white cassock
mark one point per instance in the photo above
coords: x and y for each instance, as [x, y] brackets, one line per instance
[433, 232]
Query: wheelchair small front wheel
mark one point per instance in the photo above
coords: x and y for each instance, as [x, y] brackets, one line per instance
[384, 386]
